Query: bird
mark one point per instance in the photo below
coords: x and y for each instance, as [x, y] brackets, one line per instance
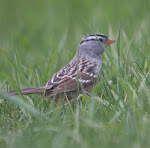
[79, 75]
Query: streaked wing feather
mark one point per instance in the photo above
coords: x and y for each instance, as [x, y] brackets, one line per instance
[68, 84]
[66, 79]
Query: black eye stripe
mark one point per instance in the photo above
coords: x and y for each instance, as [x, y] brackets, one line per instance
[101, 40]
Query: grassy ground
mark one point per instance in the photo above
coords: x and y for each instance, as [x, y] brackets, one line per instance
[38, 38]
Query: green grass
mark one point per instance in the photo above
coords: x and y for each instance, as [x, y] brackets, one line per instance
[38, 38]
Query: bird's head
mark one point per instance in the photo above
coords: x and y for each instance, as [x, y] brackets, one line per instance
[93, 45]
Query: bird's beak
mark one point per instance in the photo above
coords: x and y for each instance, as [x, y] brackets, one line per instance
[110, 41]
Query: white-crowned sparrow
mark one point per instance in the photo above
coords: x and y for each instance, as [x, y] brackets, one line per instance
[80, 73]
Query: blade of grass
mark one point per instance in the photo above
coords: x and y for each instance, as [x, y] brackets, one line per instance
[13, 82]
[17, 101]
[118, 65]
[127, 55]
[142, 71]
[9, 60]
[11, 63]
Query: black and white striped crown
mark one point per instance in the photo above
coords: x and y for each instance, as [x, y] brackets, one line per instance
[93, 37]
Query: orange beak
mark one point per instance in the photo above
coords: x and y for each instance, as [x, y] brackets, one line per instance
[110, 41]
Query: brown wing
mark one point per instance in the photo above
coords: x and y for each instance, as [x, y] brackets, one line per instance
[66, 79]
[68, 84]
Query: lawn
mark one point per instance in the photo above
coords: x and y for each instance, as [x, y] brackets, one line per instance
[37, 38]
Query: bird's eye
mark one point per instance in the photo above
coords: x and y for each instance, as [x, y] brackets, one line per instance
[101, 40]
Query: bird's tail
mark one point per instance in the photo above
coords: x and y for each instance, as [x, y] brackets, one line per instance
[26, 91]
